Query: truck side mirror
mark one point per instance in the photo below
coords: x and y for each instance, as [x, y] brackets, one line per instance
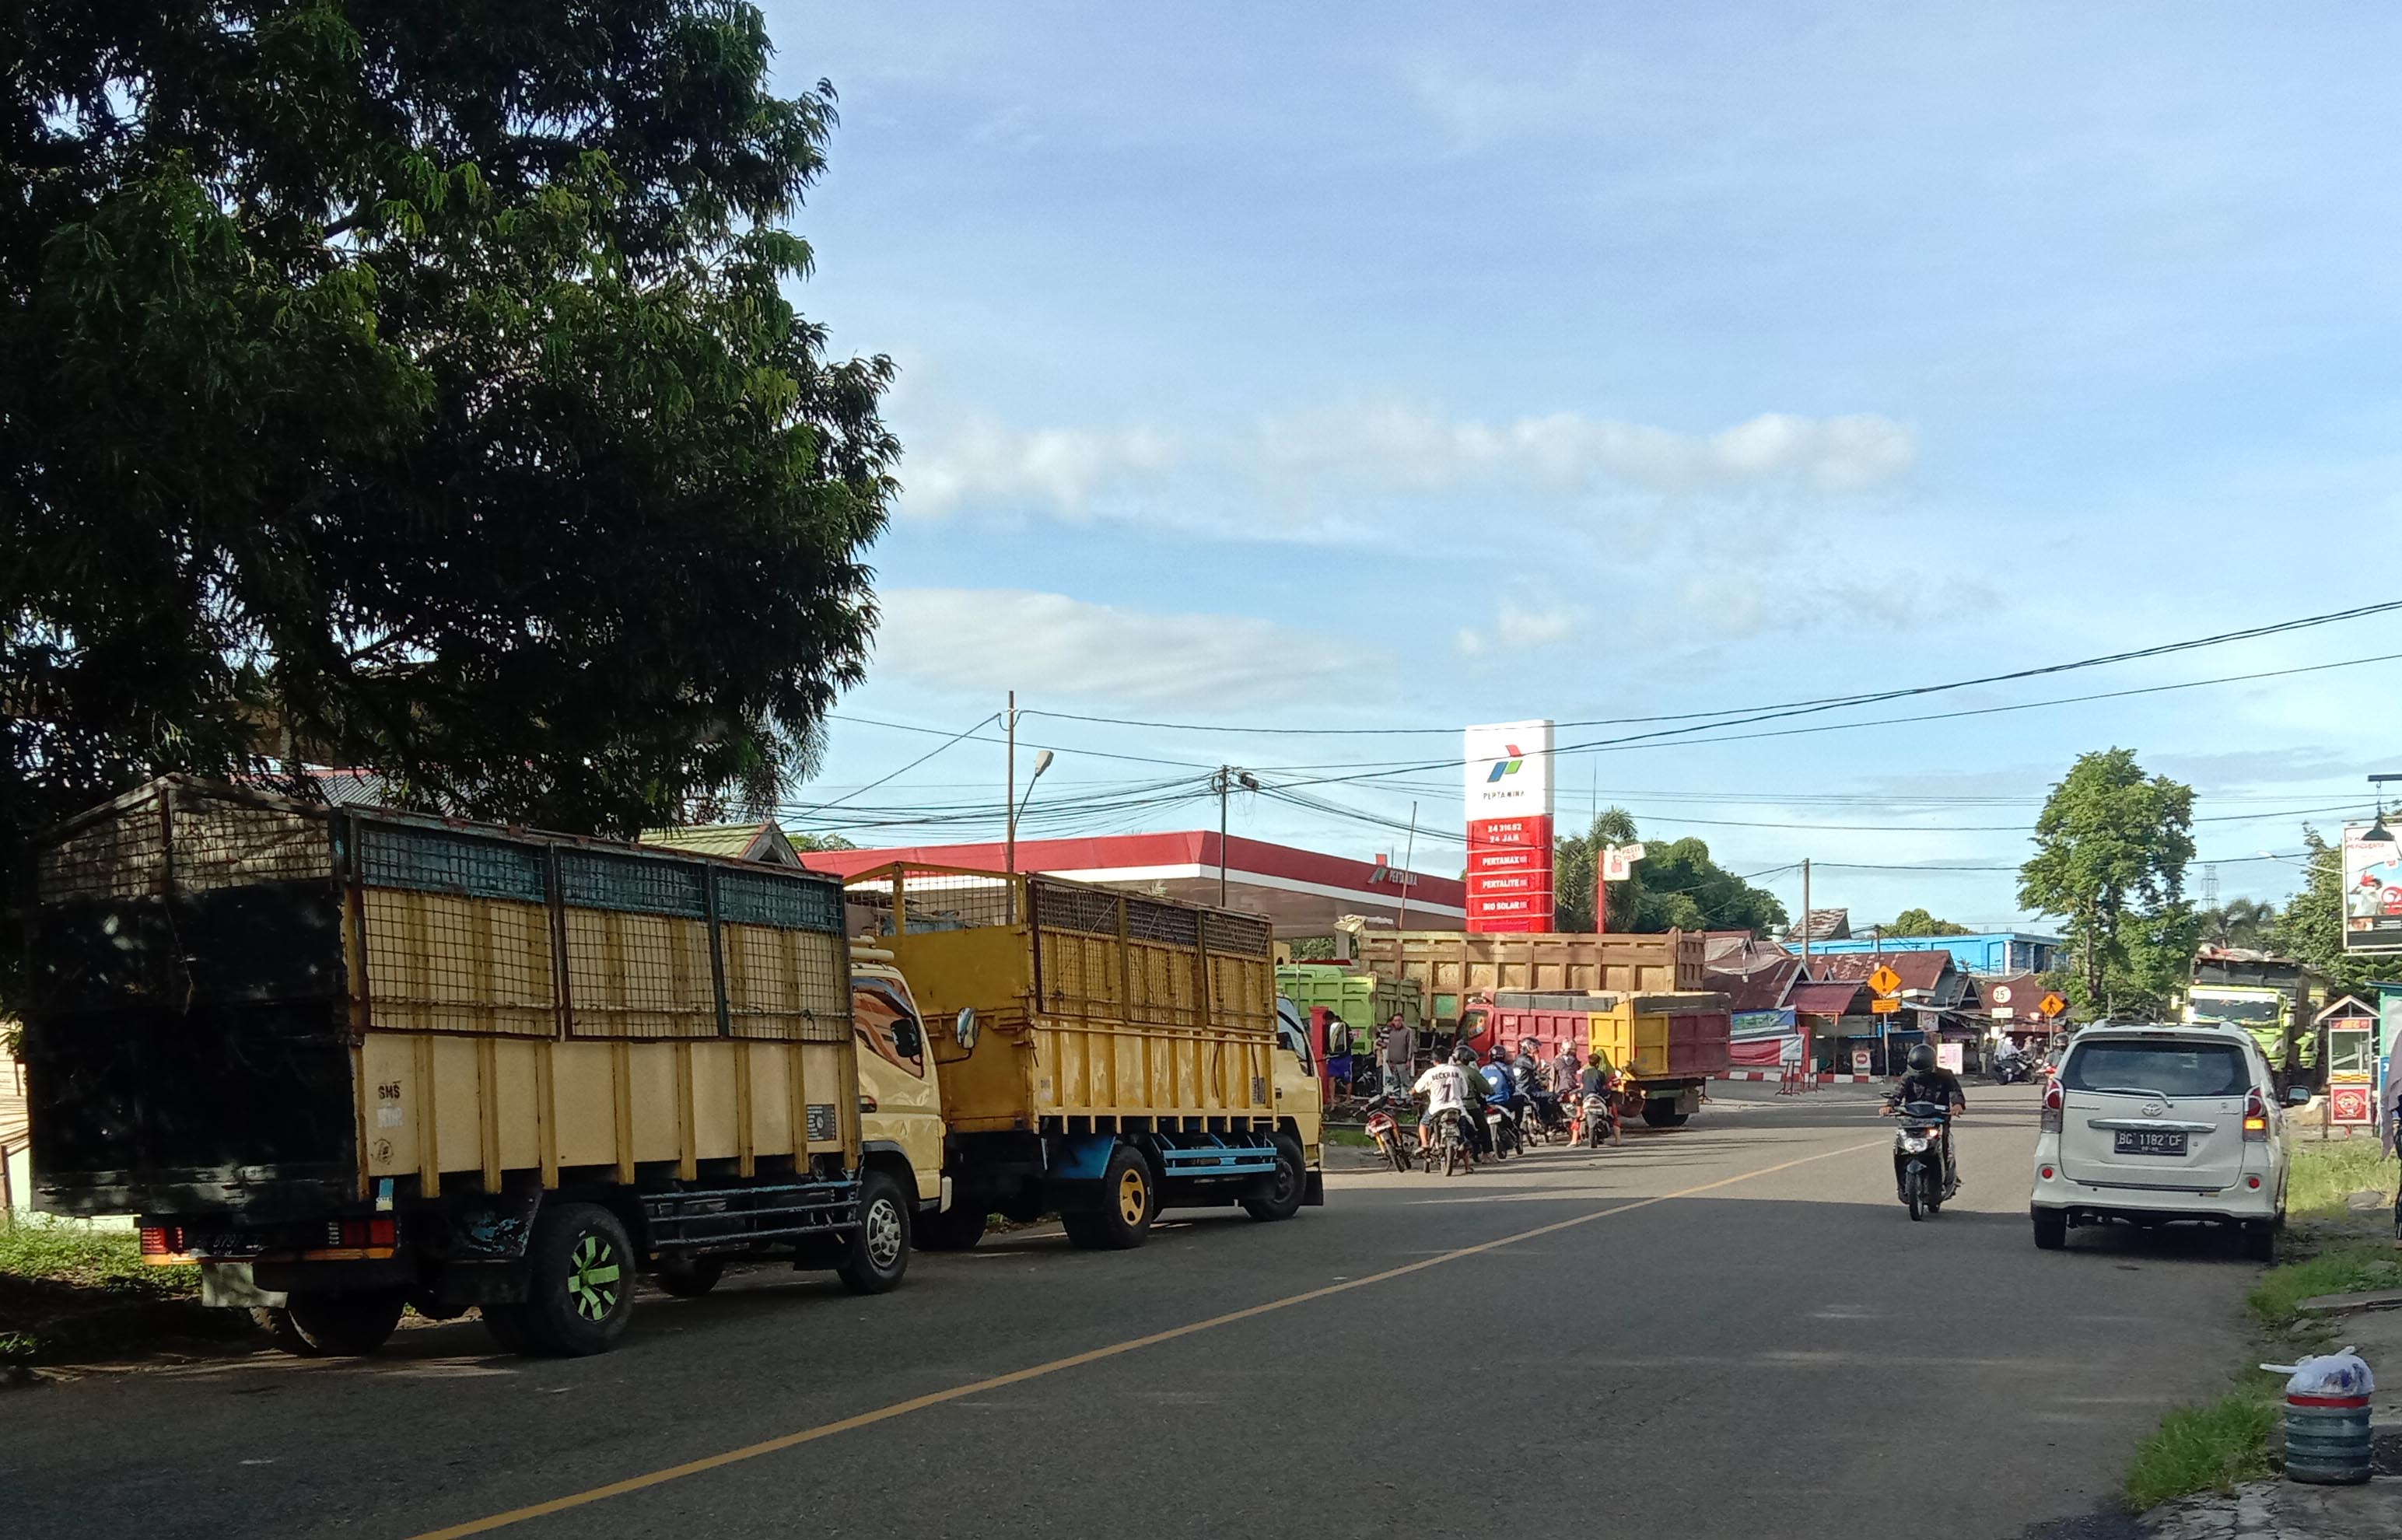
[965, 1028]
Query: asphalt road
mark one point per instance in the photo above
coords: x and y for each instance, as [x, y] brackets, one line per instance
[1732, 1329]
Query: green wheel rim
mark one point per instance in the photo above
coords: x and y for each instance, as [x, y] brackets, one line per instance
[594, 1276]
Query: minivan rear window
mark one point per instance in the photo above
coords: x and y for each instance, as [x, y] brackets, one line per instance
[2170, 1068]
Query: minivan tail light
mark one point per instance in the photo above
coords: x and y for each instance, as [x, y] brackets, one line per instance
[2256, 1117]
[2052, 1104]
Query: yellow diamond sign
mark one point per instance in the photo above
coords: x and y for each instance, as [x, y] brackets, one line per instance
[1884, 980]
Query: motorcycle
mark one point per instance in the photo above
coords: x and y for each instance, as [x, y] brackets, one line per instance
[1447, 1147]
[1503, 1126]
[1547, 1120]
[1923, 1177]
[1597, 1120]
[1386, 1130]
[2016, 1070]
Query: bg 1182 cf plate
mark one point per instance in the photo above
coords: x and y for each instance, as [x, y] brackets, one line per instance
[2148, 1141]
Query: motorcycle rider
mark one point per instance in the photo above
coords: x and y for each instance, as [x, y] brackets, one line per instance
[1527, 1071]
[1595, 1079]
[2006, 1056]
[1445, 1087]
[1501, 1091]
[1565, 1069]
[1928, 1081]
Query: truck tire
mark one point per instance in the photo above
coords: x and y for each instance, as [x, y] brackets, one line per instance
[333, 1325]
[690, 1277]
[1284, 1200]
[956, 1229]
[580, 1293]
[1665, 1115]
[879, 1252]
[2050, 1229]
[1129, 1203]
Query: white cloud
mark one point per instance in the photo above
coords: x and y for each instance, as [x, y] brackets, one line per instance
[1081, 473]
[983, 641]
[1062, 470]
[1517, 629]
[1568, 453]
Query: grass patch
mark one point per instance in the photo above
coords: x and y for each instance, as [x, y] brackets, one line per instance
[1349, 1138]
[68, 1289]
[2326, 1173]
[2208, 1447]
[2351, 1268]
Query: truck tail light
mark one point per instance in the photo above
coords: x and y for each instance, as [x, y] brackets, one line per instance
[2052, 1100]
[2256, 1117]
[163, 1246]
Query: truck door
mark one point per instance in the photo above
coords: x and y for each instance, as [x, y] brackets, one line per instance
[896, 1072]
[1299, 1093]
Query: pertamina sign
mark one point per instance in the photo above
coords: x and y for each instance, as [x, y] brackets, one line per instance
[1509, 787]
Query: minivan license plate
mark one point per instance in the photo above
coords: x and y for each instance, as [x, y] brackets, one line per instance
[2148, 1141]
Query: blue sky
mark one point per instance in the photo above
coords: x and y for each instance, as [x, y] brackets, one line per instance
[1372, 366]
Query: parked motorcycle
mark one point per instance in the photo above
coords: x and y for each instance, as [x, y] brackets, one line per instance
[1923, 1177]
[1386, 1130]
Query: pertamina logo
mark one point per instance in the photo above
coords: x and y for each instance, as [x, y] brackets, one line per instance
[1506, 767]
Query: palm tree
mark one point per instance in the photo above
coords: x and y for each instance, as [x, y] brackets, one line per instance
[2238, 923]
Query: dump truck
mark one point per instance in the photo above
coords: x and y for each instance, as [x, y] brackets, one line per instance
[1110, 1054]
[352, 1060]
[1666, 1046]
[1362, 1002]
[1454, 968]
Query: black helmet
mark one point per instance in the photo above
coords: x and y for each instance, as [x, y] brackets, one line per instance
[1922, 1057]
[1463, 1054]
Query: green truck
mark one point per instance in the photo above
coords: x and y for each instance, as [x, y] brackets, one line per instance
[1361, 1002]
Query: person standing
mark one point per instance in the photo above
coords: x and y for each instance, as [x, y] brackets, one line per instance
[1396, 1049]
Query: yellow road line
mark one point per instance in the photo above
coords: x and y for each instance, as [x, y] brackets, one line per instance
[1077, 1360]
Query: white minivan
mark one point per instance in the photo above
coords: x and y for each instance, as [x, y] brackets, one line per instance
[2153, 1125]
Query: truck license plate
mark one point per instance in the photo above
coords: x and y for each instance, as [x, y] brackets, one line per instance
[2148, 1141]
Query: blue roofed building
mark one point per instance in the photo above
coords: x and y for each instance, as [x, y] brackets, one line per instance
[1994, 952]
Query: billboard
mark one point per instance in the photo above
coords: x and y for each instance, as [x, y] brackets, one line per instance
[1508, 781]
[2372, 889]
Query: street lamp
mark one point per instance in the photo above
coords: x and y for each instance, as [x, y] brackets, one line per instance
[2378, 831]
[1017, 809]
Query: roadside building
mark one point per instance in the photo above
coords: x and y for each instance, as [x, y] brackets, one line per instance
[1758, 979]
[750, 842]
[1940, 1003]
[2002, 952]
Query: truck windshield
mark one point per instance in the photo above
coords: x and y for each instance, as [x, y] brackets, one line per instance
[2249, 1012]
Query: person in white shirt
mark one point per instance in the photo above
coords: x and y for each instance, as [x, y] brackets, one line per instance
[1445, 1088]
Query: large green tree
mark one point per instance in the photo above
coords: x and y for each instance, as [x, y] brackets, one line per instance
[413, 384]
[2238, 922]
[2310, 930]
[2111, 848]
[1676, 886]
[1919, 922]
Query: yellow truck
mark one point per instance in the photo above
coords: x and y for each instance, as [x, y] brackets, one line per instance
[1107, 1055]
[351, 1060]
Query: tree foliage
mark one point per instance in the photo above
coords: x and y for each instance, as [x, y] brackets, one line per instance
[1676, 886]
[413, 385]
[1918, 922]
[2310, 928]
[2111, 849]
[2248, 923]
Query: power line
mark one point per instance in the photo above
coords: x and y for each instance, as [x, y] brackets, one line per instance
[1818, 703]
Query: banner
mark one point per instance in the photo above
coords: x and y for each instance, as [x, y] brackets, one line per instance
[2372, 891]
[1508, 794]
[1762, 1024]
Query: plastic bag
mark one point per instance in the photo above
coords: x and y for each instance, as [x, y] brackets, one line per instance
[2343, 1372]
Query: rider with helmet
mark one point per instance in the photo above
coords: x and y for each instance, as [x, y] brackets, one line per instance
[1929, 1081]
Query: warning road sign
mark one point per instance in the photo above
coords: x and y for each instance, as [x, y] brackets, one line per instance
[1884, 980]
[2051, 1004]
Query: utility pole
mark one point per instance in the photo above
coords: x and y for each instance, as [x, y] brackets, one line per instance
[1408, 851]
[1809, 1055]
[1224, 783]
[1009, 790]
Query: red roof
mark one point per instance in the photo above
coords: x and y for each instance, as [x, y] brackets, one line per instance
[1825, 1000]
[1097, 857]
[1918, 970]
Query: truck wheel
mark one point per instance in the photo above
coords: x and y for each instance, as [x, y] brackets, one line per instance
[333, 1325]
[1129, 1201]
[2050, 1229]
[879, 1252]
[580, 1291]
[956, 1229]
[1663, 1115]
[690, 1277]
[1284, 1199]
